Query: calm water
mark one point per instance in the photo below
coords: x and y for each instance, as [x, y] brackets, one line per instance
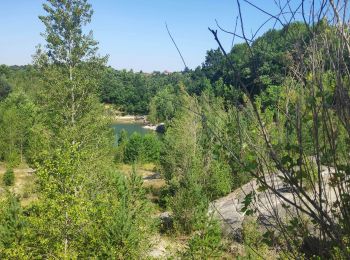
[130, 128]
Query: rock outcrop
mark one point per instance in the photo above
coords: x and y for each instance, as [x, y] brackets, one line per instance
[266, 204]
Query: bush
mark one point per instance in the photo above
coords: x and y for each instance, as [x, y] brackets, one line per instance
[127, 228]
[207, 243]
[5, 89]
[189, 207]
[9, 178]
[12, 225]
[254, 241]
[138, 148]
[220, 180]
[134, 149]
[151, 149]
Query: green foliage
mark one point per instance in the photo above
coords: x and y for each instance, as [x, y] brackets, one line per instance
[192, 168]
[12, 223]
[221, 126]
[84, 209]
[213, 65]
[205, 243]
[219, 180]
[152, 147]
[40, 143]
[17, 114]
[138, 148]
[132, 92]
[134, 149]
[64, 35]
[180, 161]
[9, 177]
[18, 79]
[124, 225]
[189, 206]
[248, 199]
[121, 143]
[61, 211]
[163, 105]
[5, 89]
[73, 217]
[254, 241]
[62, 110]
[180, 144]
[266, 63]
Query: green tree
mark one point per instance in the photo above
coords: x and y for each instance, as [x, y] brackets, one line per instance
[152, 147]
[163, 105]
[191, 168]
[67, 44]
[12, 224]
[124, 228]
[121, 145]
[134, 150]
[9, 177]
[74, 163]
[17, 115]
[61, 212]
[207, 243]
[5, 89]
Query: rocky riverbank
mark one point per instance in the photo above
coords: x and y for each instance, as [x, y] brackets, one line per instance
[118, 116]
[130, 119]
[160, 128]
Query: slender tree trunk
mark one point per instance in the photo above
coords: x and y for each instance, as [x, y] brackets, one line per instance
[21, 151]
[72, 95]
[66, 237]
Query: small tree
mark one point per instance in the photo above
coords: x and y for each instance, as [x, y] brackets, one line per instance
[9, 178]
[207, 243]
[16, 118]
[152, 147]
[12, 223]
[5, 89]
[134, 149]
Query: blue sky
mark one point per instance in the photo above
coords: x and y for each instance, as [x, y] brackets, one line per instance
[132, 32]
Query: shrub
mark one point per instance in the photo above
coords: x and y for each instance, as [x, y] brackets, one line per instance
[9, 178]
[138, 148]
[220, 180]
[254, 241]
[5, 89]
[151, 149]
[189, 207]
[12, 225]
[134, 149]
[206, 243]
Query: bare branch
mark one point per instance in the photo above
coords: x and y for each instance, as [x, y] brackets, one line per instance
[233, 33]
[171, 37]
[265, 12]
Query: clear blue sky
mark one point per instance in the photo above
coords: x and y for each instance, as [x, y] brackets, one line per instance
[132, 32]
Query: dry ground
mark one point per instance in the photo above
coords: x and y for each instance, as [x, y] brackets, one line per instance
[24, 183]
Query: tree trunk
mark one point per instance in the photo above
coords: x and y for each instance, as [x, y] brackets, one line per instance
[72, 95]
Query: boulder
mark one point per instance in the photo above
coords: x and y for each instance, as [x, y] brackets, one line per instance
[266, 204]
[160, 128]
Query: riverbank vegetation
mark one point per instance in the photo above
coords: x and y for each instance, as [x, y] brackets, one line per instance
[269, 117]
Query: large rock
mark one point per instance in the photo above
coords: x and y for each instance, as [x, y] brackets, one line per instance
[160, 128]
[267, 205]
